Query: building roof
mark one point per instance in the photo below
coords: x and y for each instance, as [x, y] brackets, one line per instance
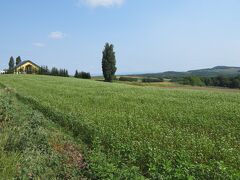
[24, 62]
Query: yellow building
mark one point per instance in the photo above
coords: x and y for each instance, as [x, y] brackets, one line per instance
[26, 67]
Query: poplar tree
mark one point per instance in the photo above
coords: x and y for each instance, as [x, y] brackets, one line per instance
[109, 62]
[11, 64]
[76, 74]
[18, 60]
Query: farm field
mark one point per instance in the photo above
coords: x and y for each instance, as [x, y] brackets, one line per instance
[132, 132]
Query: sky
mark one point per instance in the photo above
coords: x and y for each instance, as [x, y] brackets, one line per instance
[148, 35]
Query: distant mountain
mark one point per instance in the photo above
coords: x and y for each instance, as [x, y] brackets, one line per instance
[210, 72]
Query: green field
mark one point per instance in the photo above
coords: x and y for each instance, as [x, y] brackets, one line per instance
[131, 132]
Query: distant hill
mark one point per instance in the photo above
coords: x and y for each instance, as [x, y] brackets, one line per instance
[210, 72]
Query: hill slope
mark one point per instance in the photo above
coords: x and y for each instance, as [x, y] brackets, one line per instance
[211, 72]
[140, 132]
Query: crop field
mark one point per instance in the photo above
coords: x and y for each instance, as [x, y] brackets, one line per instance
[133, 132]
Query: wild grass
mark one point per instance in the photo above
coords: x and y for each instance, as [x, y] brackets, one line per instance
[27, 149]
[8, 161]
[142, 132]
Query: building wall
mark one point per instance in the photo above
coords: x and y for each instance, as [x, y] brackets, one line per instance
[22, 68]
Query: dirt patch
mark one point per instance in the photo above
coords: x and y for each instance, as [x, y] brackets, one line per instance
[9, 90]
[73, 155]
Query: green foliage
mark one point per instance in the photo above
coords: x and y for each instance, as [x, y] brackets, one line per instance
[191, 80]
[141, 132]
[109, 62]
[76, 74]
[230, 82]
[27, 151]
[149, 80]
[18, 60]
[220, 81]
[235, 83]
[130, 79]
[11, 65]
[209, 72]
[8, 161]
[54, 71]
[82, 75]
[44, 70]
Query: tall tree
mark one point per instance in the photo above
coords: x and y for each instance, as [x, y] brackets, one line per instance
[54, 71]
[66, 73]
[109, 62]
[76, 74]
[18, 60]
[11, 64]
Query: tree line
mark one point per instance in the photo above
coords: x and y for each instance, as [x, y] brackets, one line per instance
[43, 70]
[219, 81]
[82, 75]
[53, 72]
[108, 66]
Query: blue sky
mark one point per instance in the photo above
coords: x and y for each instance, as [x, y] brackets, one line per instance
[149, 35]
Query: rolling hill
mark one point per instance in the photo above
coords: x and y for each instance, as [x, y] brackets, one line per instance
[210, 72]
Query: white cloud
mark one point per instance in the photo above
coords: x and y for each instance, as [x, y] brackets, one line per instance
[104, 3]
[38, 44]
[56, 35]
